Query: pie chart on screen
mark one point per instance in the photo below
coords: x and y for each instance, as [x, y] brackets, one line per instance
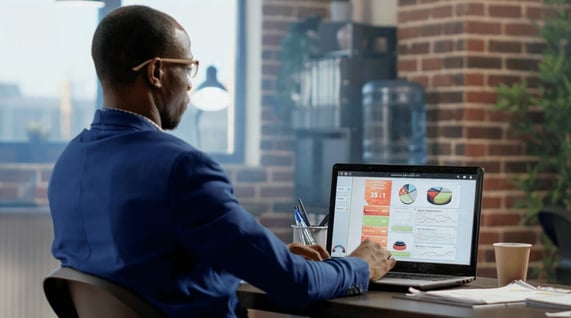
[439, 195]
[407, 194]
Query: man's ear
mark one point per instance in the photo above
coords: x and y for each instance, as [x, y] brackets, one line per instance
[155, 73]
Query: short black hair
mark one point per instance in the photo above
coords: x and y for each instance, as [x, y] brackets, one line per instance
[127, 37]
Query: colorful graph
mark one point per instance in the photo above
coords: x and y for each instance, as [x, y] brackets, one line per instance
[407, 194]
[439, 195]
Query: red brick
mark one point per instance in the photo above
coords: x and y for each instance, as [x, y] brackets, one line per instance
[443, 46]
[497, 183]
[431, 64]
[270, 191]
[481, 97]
[505, 46]
[444, 97]
[486, 28]
[441, 12]
[473, 79]
[442, 149]
[501, 219]
[523, 235]
[505, 149]
[521, 29]
[483, 132]
[275, 25]
[418, 15]
[522, 64]
[505, 11]
[403, 3]
[515, 167]
[419, 48]
[431, 29]
[453, 28]
[453, 62]
[491, 203]
[473, 45]
[421, 79]
[450, 131]
[448, 80]
[496, 80]
[488, 237]
[407, 33]
[406, 65]
[483, 62]
[476, 150]
[469, 9]
[533, 13]
[402, 17]
[449, 114]
[244, 191]
[276, 10]
[474, 114]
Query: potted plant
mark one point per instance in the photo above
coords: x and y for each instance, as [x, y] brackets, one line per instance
[543, 119]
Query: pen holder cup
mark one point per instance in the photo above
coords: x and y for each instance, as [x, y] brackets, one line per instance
[318, 233]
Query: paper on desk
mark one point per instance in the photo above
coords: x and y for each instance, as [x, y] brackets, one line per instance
[559, 300]
[558, 314]
[516, 292]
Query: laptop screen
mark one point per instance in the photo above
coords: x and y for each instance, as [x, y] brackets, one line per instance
[426, 216]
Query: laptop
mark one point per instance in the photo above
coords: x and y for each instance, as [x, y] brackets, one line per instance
[428, 217]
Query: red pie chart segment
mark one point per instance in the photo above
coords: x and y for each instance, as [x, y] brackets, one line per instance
[439, 195]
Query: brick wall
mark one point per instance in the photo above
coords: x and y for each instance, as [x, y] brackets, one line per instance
[460, 51]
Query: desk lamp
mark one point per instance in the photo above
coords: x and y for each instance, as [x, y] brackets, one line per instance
[210, 96]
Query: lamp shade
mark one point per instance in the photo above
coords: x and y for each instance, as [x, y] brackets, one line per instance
[211, 95]
[91, 3]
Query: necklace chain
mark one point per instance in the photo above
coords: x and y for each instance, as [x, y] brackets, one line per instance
[134, 114]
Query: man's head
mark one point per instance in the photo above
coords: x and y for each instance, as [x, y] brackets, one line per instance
[130, 36]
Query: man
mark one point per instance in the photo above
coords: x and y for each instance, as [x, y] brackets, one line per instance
[135, 205]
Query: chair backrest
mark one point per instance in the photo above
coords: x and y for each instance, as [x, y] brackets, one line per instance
[75, 294]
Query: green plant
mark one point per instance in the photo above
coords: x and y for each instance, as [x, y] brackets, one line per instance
[543, 119]
[298, 46]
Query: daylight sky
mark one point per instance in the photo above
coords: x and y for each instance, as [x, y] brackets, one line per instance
[43, 44]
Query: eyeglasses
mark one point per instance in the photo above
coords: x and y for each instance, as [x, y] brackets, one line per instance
[192, 64]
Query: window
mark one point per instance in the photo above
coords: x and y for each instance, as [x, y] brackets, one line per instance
[49, 90]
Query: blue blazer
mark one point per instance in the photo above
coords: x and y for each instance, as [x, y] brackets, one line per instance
[138, 206]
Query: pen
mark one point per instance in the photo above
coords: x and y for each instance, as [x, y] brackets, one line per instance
[307, 237]
[324, 220]
[304, 213]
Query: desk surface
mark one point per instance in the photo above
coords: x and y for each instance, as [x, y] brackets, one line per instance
[384, 304]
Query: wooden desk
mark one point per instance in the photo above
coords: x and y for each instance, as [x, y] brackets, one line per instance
[383, 304]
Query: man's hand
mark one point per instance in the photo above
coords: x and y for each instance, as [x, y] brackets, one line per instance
[379, 259]
[310, 252]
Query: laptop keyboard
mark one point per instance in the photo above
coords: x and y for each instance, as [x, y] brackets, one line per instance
[417, 276]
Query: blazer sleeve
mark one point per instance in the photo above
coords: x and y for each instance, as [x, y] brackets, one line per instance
[212, 225]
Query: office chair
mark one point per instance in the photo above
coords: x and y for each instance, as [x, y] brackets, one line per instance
[73, 294]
